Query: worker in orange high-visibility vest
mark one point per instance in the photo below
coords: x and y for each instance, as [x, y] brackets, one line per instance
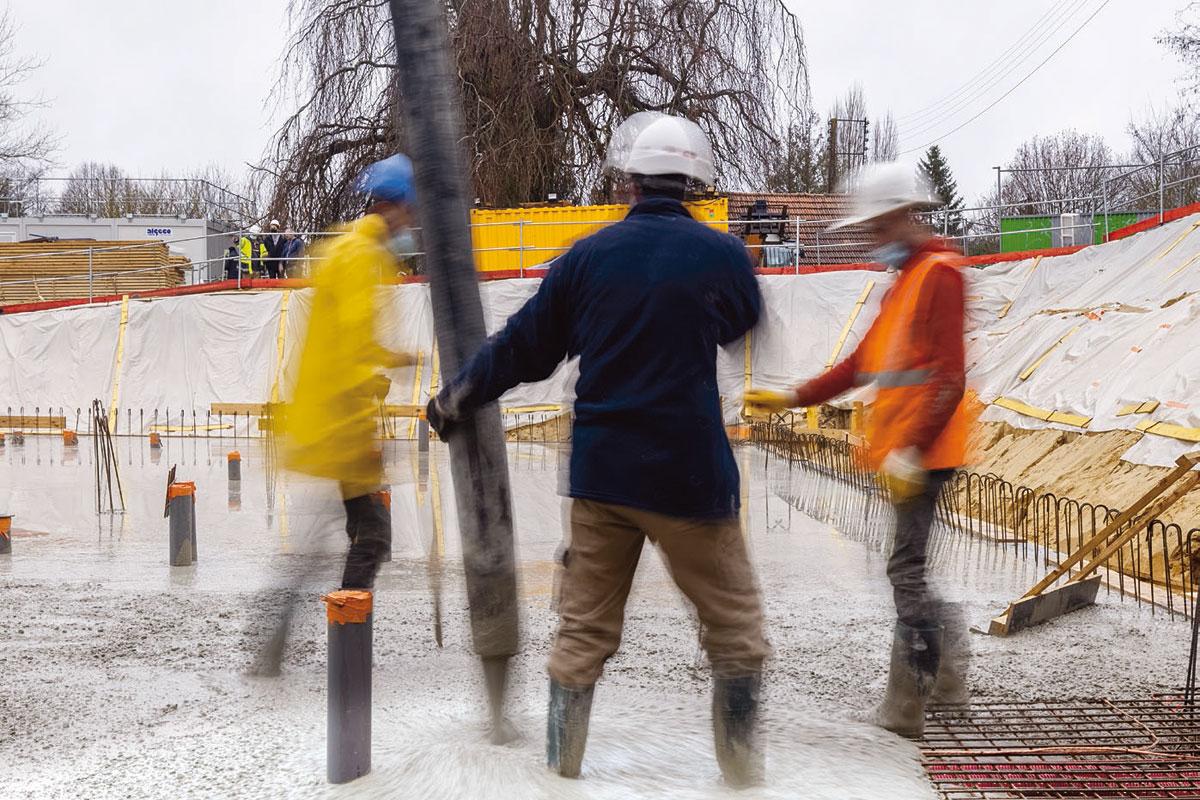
[916, 432]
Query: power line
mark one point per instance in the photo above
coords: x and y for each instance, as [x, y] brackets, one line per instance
[1031, 50]
[1016, 86]
[1037, 26]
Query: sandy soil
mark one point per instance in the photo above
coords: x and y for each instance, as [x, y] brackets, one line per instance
[124, 677]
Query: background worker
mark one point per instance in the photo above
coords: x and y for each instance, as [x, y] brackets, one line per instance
[251, 252]
[644, 304]
[274, 244]
[330, 425]
[916, 431]
[329, 428]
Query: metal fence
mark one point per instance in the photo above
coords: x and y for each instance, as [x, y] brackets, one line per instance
[1156, 568]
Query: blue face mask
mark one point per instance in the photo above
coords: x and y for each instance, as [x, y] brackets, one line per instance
[403, 244]
[892, 255]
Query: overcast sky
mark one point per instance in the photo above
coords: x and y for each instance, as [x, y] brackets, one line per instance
[155, 85]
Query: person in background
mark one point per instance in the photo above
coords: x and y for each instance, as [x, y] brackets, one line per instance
[645, 304]
[231, 259]
[273, 242]
[329, 429]
[916, 429]
[293, 249]
[251, 253]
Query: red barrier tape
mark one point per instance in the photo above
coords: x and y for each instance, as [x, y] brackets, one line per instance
[1147, 224]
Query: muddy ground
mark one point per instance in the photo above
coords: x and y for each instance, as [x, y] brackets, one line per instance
[124, 677]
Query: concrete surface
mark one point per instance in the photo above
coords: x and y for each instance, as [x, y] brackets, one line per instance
[123, 677]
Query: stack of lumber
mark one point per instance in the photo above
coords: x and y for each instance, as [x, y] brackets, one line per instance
[33, 271]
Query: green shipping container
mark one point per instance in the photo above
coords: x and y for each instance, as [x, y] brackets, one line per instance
[1115, 221]
[1018, 234]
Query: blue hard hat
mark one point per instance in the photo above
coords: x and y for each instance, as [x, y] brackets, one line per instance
[390, 179]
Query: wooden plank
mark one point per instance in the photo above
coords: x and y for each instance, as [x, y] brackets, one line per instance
[26, 422]
[1007, 306]
[1032, 611]
[854, 312]
[1183, 465]
[1028, 371]
[1022, 408]
[1167, 429]
[239, 408]
[1145, 407]
[1156, 509]
[1067, 418]
[414, 410]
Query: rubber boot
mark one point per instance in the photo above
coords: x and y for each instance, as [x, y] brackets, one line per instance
[916, 653]
[567, 727]
[951, 685]
[735, 729]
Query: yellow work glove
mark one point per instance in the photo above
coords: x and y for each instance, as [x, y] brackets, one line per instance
[903, 474]
[767, 401]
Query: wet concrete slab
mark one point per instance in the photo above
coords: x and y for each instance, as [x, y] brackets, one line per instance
[124, 677]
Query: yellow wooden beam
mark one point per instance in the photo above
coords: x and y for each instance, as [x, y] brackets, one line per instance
[1025, 373]
[1176, 243]
[1007, 306]
[116, 381]
[854, 312]
[1145, 407]
[1172, 431]
[1045, 414]
[279, 342]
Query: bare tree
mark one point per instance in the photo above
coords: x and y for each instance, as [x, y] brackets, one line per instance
[22, 146]
[1060, 173]
[797, 166]
[107, 191]
[543, 84]
[1170, 136]
[1184, 41]
[885, 139]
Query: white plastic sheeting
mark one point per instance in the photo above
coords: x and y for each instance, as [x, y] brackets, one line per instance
[1129, 311]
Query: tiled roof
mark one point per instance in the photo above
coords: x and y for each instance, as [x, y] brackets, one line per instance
[816, 213]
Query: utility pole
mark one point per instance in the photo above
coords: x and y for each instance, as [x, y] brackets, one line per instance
[832, 155]
[432, 119]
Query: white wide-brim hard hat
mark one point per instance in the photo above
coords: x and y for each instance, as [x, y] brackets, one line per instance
[653, 143]
[879, 189]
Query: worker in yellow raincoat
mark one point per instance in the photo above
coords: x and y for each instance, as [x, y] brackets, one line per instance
[330, 425]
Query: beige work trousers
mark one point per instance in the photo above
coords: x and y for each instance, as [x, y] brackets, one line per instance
[706, 558]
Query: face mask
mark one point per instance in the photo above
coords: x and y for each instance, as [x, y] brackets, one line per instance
[403, 244]
[891, 255]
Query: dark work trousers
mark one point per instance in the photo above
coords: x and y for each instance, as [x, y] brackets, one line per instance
[370, 531]
[916, 604]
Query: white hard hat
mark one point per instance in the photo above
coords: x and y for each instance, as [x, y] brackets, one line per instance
[274, 223]
[255, 230]
[883, 188]
[652, 143]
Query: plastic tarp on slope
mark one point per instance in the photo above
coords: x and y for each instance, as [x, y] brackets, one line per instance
[1084, 334]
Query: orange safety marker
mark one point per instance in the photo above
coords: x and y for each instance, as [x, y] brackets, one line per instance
[233, 461]
[18, 437]
[181, 508]
[5, 534]
[155, 439]
[70, 438]
[1, 440]
[348, 675]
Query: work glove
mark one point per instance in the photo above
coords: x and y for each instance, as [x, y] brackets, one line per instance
[768, 401]
[903, 474]
[440, 417]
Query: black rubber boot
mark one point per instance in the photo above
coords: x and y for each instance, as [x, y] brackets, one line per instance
[735, 729]
[368, 527]
[951, 684]
[916, 654]
[567, 727]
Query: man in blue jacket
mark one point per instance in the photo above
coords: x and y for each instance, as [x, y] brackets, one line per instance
[644, 304]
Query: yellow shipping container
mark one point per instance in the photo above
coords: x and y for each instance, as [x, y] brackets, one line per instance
[521, 238]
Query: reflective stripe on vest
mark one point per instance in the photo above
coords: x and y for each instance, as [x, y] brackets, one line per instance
[894, 378]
